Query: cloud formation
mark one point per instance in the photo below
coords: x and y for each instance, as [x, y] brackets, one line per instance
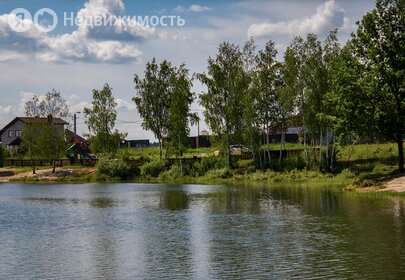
[328, 16]
[114, 43]
[199, 8]
[193, 8]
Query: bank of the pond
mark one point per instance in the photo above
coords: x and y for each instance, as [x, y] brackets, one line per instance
[346, 180]
[84, 175]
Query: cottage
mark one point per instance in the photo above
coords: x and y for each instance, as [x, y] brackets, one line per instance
[10, 135]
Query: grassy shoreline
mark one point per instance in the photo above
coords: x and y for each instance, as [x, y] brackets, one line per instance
[267, 177]
[359, 168]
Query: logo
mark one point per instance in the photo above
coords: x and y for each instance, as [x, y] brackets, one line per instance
[43, 13]
[45, 20]
[20, 20]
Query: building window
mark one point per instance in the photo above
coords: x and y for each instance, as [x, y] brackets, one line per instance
[10, 133]
[18, 133]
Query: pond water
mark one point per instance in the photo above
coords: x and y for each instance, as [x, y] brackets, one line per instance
[146, 231]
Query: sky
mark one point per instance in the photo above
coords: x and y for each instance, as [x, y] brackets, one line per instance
[77, 57]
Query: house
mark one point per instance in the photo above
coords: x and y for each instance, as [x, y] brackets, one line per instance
[10, 135]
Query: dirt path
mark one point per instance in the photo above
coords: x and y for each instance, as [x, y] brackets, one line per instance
[9, 174]
[395, 185]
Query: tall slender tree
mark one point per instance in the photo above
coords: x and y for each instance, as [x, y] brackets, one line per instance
[153, 98]
[266, 84]
[226, 82]
[179, 112]
[100, 119]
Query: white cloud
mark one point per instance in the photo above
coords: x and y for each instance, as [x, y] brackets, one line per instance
[179, 9]
[327, 17]
[193, 8]
[125, 105]
[115, 43]
[198, 8]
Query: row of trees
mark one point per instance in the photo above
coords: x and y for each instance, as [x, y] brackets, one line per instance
[332, 92]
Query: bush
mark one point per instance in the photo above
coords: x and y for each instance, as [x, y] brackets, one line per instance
[207, 164]
[245, 163]
[108, 169]
[221, 173]
[173, 173]
[153, 168]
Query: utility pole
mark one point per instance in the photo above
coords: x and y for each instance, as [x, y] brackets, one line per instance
[74, 122]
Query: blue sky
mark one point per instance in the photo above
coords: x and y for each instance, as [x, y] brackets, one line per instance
[76, 59]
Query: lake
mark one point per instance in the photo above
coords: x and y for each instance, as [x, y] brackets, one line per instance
[150, 231]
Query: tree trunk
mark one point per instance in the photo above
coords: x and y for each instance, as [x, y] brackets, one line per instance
[281, 144]
[333, 151]
[228, 148]
[268, 144]
[264, 147]
[53, 166]
[327, 149]
[33, 166]
[320, 149]
[160, 148]
[400, 152]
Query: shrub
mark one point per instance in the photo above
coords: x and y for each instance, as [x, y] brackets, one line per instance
[108, 169]
[173, 173]
[207, 164]
[245, 163]
[153, 168]
[347, 173]
[221, 173]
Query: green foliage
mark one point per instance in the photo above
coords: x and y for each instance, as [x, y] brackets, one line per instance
[163, 102]
[112, 169]
[172, 174]
[100, 120]
[179, 111]
[226, 83]
[153, 168]
[207, 164]
[2, 155]
[152, 100]
[244, 163]
[221, 173]
[379, 48]
[43, 140]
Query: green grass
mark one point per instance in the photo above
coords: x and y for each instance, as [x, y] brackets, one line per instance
[357, 167]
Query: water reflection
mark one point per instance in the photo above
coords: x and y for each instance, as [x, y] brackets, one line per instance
[103, 202]
[156, 231]
[174, 199]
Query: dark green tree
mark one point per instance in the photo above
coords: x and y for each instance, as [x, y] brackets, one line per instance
[379, 44]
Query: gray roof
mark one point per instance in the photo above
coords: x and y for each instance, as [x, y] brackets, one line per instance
[57, 121]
